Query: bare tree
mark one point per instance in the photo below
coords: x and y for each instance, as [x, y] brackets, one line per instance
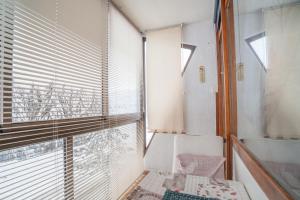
[54, 102]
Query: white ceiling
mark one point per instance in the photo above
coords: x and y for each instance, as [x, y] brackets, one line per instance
[154, 14]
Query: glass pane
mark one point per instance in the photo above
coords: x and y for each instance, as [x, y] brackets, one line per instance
[185, 55]
[102, 160]
[125, 66]
[57, 66]
[33, 172]
[268, 100]
[260, 48]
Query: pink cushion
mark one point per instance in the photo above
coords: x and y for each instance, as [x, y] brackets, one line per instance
[200, 165]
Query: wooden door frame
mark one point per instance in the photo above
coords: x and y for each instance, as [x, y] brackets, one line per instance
[227, 118]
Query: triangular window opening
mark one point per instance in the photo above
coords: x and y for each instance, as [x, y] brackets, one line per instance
[186, 55]
[257, 44]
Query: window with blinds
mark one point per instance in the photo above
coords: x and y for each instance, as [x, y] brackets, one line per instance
[56, 73]
[71, 100]
[126, 59]
[33, 172]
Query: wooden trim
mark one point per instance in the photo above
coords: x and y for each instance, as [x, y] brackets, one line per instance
[227, 115]
[228, 3]
[133, 186]
[232, 67]
[19, 134]
[219, 34]
[227, 100]
[267, 183]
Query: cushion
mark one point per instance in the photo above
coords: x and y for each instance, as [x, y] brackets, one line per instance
[200, 165]
[170, 195]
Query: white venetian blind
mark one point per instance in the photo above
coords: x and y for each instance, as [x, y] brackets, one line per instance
[56, 73]
[126, 61]
[67, 125]
[125, 88]
[164, 82]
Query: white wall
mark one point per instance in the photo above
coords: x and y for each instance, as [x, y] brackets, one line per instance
[162, 152]
[199, 98]
[159, 155]
[242, 174]
[250, 90]
[282, 92]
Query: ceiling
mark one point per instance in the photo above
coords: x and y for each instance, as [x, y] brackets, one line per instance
[155, 14]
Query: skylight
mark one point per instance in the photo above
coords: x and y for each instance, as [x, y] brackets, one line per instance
[258, 46]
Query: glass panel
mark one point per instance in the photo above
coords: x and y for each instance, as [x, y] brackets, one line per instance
[268, 100]
[33, 172]
[102, 160]
[185, 55]
[125, 66]
[57, 66]
[260, 48]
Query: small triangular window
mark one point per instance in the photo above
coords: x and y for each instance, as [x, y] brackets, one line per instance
[257, 44]
[186, 55]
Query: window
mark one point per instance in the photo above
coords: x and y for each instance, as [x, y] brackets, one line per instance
[186, 55]
[98, 158]
[33, 172]
[257, 44]
[67, 125]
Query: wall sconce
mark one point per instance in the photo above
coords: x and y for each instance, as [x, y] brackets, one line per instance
[240, 72]
[202, 74]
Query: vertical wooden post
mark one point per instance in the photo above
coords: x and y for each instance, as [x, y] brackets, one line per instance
[232, 67]
[227, 101]
[227, 118]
